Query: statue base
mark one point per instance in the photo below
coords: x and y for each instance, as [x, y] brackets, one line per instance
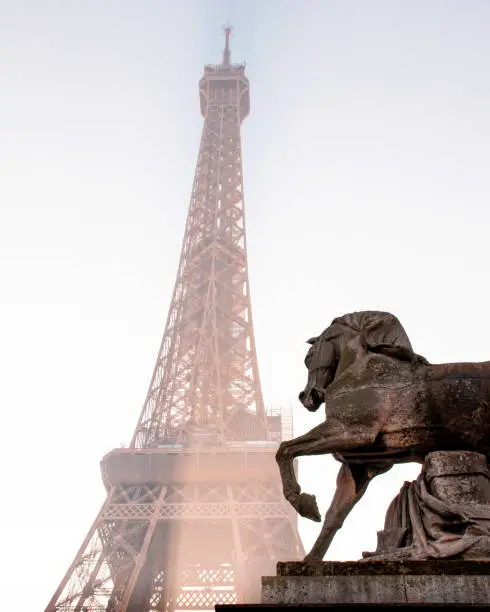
[419, 583]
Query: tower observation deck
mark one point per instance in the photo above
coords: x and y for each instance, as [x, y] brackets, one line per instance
[194, 513]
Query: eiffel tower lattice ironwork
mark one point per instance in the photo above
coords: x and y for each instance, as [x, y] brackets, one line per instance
[194, 513]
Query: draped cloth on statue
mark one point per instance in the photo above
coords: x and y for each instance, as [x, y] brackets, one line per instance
[433, 528]
[430, 521]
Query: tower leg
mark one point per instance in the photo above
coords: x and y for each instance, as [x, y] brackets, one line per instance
[141, 557]
[69, 588]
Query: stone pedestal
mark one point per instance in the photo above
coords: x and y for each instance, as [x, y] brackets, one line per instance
[426, 583]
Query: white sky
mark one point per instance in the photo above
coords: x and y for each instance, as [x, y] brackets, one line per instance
[366, 161]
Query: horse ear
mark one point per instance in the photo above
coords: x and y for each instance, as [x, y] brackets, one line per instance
[312, 340]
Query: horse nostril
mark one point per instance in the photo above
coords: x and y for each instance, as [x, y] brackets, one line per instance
[301, 396]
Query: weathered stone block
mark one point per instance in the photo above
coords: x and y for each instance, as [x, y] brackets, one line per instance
[375, 582]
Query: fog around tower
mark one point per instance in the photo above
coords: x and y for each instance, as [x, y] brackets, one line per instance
[366, 158]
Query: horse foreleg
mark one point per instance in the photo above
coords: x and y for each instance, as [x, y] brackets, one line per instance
[352, 482]
[328, 437]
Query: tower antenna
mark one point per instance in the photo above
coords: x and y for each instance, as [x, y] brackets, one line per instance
[226, 53]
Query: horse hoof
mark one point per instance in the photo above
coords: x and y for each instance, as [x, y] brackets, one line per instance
[308, 507]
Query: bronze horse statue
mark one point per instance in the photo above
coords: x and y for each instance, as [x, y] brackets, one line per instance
[384, 404]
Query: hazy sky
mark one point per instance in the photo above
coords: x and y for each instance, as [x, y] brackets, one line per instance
[366, 159]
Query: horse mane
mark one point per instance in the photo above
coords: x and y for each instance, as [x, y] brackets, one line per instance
[382, 333]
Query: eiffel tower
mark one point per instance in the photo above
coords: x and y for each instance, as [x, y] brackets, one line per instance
[194, 513]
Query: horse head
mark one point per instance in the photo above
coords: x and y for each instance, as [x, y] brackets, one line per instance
[321, 361]
[345, 340]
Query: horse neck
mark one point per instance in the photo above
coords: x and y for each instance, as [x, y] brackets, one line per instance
[350, 351]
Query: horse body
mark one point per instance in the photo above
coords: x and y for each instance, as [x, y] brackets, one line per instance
[443, 407]
[459, 393]
[384, 404]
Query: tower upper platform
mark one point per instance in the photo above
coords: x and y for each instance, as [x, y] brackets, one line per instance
[225, 84]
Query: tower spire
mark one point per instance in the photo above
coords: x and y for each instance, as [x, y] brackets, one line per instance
[226, 52]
